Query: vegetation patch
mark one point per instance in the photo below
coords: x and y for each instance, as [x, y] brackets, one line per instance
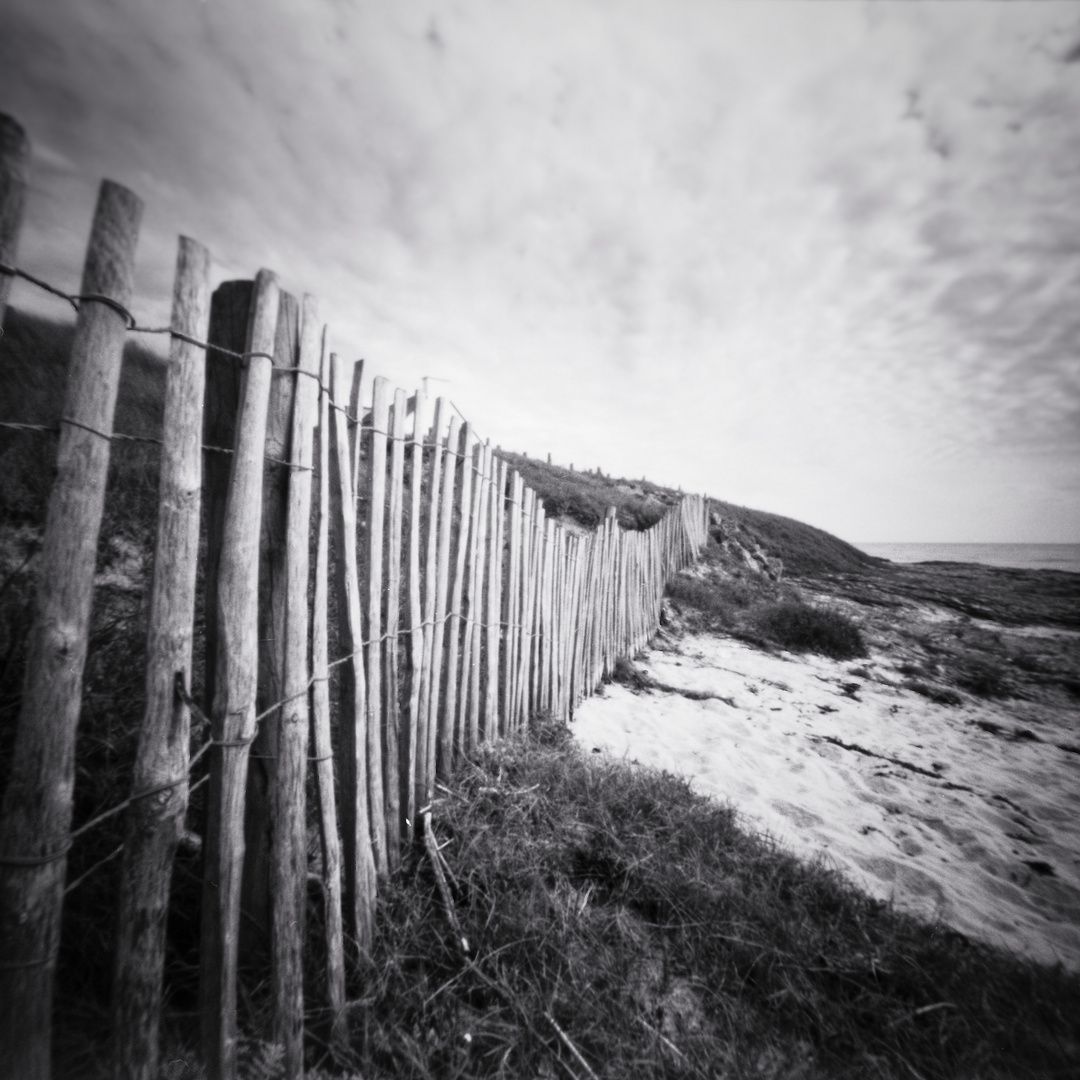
[615, 918]
[942, 695]
[718, 596]
[983, 679]
[585, 497]
[799, 627]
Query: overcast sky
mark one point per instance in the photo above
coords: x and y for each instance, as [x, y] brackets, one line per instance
[816, 258]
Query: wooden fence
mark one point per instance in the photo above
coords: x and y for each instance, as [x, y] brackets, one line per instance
[461, 612]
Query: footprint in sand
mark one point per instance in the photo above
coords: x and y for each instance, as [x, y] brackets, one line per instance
[909, 880]
[805, 819]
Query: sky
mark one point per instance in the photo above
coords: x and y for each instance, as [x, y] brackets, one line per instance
[821, 259]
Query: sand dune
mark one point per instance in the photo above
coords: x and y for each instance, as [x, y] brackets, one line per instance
[912, 800]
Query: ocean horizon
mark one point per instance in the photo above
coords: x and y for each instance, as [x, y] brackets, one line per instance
[1017, 556]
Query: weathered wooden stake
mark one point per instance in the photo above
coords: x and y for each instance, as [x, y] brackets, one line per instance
[471, 463]
[442, 579]
[288, 855]
[355, 820]
[395, 793]
[230, 308]
[37, 803]
[513, 606]
[495, 721]
[480, 516]
[256, 927]
[320, 728]
[410, 730]
[425, 715]
[450, 737]
[376, 522]
[233, 719]
[154, 823]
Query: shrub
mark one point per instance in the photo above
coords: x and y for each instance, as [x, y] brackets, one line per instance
[983, 680]
[942, 695]
[720, 600]
[801, 628]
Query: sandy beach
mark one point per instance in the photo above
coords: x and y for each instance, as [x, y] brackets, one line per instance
[966, 813]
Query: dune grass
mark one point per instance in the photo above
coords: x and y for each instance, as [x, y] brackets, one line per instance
[618, 925]
[800, 627]
[585, 497]
[719, 595]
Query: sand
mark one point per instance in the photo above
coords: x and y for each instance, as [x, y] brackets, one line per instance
[953, 813]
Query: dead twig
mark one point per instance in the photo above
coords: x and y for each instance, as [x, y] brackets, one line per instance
[431, 847]
[570, 1046]
[435, 858]
[662, 1037]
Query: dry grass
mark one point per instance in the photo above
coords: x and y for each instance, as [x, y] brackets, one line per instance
[717, 595]
[612, 912]
[585, 497]
[801, 627]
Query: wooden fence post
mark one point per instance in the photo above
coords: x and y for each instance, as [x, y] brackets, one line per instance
[288, 854]
[410, 759]
[536, 607]
[233, 719]
[442, 586]
[426, 709]
[230, 307]
[513, 617]
[395, 792]
[472, 465]
[14, 155]
[525, 653]
[356, 432]
[376, 522]
[36, 813]
[320, 728]
[450, 740]
[496, 722]
[154, 824]
[256, 938]
[355, 820]
[479, 576]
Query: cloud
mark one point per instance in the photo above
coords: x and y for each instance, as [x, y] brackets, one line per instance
[977, 244]
[707, 243]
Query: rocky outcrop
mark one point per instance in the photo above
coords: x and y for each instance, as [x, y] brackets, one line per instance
[743, 550]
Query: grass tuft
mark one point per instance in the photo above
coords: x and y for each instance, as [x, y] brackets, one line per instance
[716, 595]
[801, 628]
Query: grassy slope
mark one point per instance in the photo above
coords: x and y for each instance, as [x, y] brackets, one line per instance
[585, 497]
[804, 549]
[666, 942]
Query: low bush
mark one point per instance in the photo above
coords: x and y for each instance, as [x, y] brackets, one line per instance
[983, 680]
[720, 601]
[801, 628]
[942, 695]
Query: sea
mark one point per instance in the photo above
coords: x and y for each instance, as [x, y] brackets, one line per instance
[1020, 556]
